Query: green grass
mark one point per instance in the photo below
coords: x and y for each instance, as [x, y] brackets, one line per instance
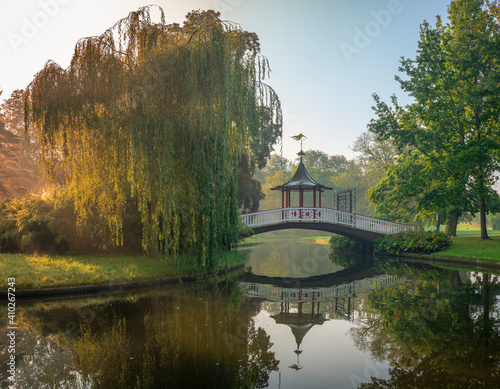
[316, 238]
[473, 247]
[251, 240]
[43, 271]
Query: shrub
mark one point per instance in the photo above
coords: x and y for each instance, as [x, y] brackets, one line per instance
[414, 242]
[47, 223]
[343, 251]
[339, 242]
[33, 223]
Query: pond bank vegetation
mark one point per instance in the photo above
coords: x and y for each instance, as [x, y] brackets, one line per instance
[44, 271]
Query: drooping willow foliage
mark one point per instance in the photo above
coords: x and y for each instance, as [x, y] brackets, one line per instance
[158, 113]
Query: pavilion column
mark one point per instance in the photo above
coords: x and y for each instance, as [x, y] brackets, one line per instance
[320, 198]
[314, 197]
[282, 205]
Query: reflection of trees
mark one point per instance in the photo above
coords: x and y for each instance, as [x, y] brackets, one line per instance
[435, 333]
[260, 361]
[371, 337]
[184, 342]
[289, 258]
[191, 338]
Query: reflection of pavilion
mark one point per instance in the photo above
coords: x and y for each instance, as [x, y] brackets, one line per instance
[300, 318]
[300, 323]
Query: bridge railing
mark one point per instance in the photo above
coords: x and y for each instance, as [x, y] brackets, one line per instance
[322, 215]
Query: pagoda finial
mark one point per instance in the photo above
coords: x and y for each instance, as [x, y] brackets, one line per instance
[300, 137]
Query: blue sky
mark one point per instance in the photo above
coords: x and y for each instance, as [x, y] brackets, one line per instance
[327, 57]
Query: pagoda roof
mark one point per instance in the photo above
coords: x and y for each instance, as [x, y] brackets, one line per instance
[299, 324]
[301, 180]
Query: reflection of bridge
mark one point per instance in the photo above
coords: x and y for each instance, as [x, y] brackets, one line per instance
[324, 219]
[319, 294]
[341, 295]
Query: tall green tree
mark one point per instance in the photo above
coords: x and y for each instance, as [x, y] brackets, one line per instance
[161, 113]
[454, 119]
[323, 167]
[374, 155]
[250, 188]
[413, 187]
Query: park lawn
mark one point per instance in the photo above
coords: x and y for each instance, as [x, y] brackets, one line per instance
[43, 271]
[251, 240]
[473, 247]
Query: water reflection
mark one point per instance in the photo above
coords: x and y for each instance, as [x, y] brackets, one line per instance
[441, 330]
[381, 325]
[203, 338]
[419, 327]
[288, 254]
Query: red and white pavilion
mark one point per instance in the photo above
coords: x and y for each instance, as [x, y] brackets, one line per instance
[301, 182]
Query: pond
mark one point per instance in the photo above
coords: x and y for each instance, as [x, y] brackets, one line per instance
[350, 322]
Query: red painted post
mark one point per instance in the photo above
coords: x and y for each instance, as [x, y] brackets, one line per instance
[314, 203]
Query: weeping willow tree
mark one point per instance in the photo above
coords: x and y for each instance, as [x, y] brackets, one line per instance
[161, 114]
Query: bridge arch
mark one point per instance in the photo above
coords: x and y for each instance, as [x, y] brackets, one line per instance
[350, 232]
[365, 238]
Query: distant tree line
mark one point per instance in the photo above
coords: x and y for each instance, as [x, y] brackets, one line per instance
[336, 171]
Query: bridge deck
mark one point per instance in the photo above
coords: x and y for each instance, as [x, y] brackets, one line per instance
[322, 215]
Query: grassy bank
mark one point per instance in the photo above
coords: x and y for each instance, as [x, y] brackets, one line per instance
[42, 271]
[473, 247]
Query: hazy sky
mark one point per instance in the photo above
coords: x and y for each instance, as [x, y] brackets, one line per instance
[327, 57]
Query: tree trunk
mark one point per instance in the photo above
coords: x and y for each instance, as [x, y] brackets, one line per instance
[486, 297]
[482, 216]
[451, 224]
[482, 187]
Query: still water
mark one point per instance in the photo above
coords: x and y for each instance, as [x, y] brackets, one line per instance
[348, 323]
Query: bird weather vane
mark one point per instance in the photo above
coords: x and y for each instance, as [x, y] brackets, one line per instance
[300, 137]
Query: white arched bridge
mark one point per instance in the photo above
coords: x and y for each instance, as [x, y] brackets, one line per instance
[325, 219]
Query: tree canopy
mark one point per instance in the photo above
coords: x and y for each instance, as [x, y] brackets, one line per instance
[160, 113]
[453, 123]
